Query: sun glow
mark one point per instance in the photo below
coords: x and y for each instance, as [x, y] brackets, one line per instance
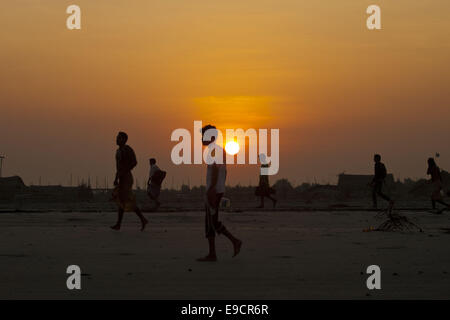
[232, 147]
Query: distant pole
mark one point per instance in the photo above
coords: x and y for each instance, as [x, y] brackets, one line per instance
[1, 164]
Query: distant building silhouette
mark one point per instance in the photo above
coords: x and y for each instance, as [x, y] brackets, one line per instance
[9, 187]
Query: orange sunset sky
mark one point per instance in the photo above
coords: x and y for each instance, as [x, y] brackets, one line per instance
[337, 91]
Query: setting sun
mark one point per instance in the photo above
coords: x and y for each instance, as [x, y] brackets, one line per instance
[232, 147]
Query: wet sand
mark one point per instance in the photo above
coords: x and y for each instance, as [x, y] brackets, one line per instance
[286, 255]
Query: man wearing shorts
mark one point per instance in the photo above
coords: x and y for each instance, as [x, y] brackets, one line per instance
[215, 187]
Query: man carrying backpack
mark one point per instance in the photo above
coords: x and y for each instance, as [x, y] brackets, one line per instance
[155, 179]
[378, 180]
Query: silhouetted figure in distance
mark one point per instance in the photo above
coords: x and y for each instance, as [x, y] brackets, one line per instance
[264, 190]
[436, 180]
[215, 187]
[378, 181]
[155, 178]
[125, 162]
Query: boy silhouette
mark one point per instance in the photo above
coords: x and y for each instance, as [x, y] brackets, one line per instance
[378, 180]
[123, 192]
[153, 188]
[216, 173]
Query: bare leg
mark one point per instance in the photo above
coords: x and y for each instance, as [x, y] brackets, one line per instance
[237, 244]
[274, 201]
[212, 247]
[261, 204]
[385, 197]
[141, 217]
[211, 257]
[119, 219]
[211, 236]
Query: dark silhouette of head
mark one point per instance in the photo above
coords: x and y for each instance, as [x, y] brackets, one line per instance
[152, 161]
[211, 134]
[431, 163]
[377, 158]
[122, 138]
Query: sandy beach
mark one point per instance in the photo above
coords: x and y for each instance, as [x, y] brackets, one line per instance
[286, 255]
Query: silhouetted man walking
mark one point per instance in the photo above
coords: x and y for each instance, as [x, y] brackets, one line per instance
[264, 190]
[155, 178]
[215, 187]
[125, 162]
[378, 181]
[436, 180]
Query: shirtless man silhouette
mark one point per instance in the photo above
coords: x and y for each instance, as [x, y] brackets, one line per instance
[378, 181]
[123, 192]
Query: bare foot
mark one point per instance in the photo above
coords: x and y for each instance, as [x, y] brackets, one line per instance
[144, 223]
[116, 227]
[208, 258]
[237, 247]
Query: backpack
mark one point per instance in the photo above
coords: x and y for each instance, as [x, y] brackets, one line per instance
[158, 177]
